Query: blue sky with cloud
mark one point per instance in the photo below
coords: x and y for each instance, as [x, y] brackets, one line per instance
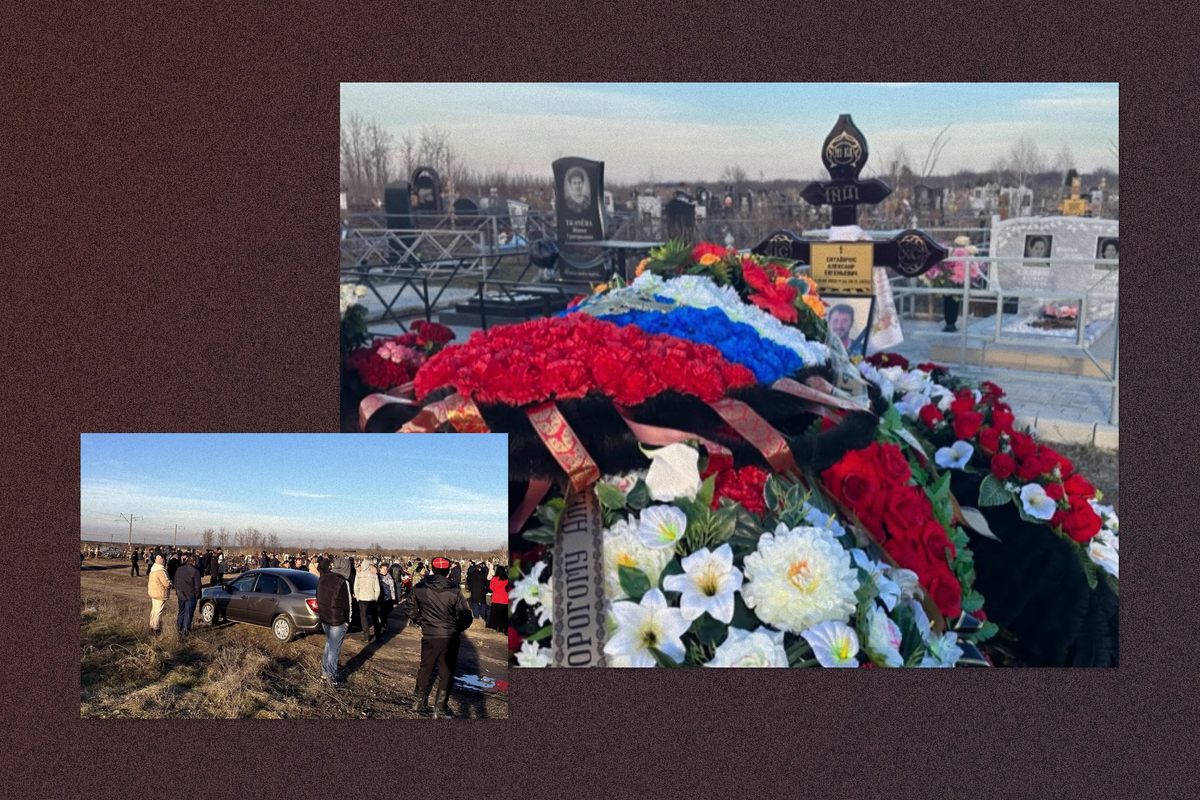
[402, 491]
[691, 132]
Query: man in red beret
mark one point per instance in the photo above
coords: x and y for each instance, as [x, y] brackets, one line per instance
[441, 611]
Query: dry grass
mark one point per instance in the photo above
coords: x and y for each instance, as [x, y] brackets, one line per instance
[127, 672]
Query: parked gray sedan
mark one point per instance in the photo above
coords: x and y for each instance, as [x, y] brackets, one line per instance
[285, 600]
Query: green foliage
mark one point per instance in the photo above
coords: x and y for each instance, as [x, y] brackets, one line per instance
[543, 633]
[550, 511]
[708, 631]
[662, 659]
[633, 581]
[609, 495]
[1112, 583]
[972, 601]
[639, 496]
[985, 632]
[540, 535]
[910, 633]
[1090, 570]
[800, 653]
[993, 493]
[743, 617]
[354, 333]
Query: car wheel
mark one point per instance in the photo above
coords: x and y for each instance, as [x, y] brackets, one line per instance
[208, 613]
[283, 628]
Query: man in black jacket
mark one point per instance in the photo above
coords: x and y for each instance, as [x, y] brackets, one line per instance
[173, 566]
[334, 610]
[477, 585]
[440, 609]
[397, 573]
[187, 589]
[133, 570]
[456, 574]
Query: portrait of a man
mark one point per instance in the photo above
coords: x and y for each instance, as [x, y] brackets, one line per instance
[578, 190]
[1038, 246]
[849, 319]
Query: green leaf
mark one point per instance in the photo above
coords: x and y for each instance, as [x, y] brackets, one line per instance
[972, 601]
[986, 631]
[662, 659]
[610, 496]
[639, 496]
[705, 496]
[633, 581]
[799, 652]
[743, 617]
[940, 491]
[910, 632]
[542, 535]
[1090, 570]
[550, 511]
[1112, 583]
[891, 419]
[974, 518]
[722, 524]
[673, 567]
[544, 633]
[709, 631]
[773, 492]
[993, 493]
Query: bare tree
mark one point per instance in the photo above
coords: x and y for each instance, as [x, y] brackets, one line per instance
[408, 152]
[223, 538]
[935, 152]
[1064, 160]
[207, 538]
[239, 538]
[1025, 160]
[734, 175]
[273, 542]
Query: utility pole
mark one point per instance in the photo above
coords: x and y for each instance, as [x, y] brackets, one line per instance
[130, 520]
[175, 542]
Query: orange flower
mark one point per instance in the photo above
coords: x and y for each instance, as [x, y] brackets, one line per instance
[641, 267]
[815, 303]
[708, 258]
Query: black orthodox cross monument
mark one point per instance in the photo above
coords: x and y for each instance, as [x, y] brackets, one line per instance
[845, 267]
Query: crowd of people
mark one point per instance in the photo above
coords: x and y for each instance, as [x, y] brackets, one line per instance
[358, 594]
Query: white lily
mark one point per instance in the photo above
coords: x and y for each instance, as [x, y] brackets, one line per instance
[530, 655]
[640, 626]
[661, 526]
[834, 644]
[708, 583]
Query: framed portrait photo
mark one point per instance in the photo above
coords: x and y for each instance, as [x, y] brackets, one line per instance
[849, 318]
[1107, 247]
[1038, 246]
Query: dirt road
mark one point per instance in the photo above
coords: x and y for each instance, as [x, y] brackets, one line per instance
[380, 676]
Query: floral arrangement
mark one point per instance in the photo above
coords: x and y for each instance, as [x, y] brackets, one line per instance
[739, 568]
[766, 283]
[568, 357]
[950, 274]
[390, 362]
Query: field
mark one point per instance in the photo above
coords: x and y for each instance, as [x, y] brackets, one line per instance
[238, 670]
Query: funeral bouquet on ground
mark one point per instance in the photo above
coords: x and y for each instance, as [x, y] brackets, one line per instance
[952, 272]
[700, 476]
[391, 362]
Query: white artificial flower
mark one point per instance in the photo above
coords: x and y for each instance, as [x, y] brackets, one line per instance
[907, 580]
[879, 378]
[623, 548]
[956, 456]
[799, 578]
[883, 637]
[760, 648]
[640, 626]
[538, 596]
[530, 655]
[1107, 515]
[674, 472]
[819, 519]
[942, 396]
[943, 651]
[914, 382]
[924, 626]
[912, 403]
[889, 590]
[1103, 551]
[834, 644]
[708, 582]
[1036, 502]
[662, 526]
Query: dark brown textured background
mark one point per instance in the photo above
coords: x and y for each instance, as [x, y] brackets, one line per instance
[167, 241]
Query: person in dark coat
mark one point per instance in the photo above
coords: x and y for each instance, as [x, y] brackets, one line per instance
[187, 589]
[440, 609]
[397, 573]
[477, 586]
[133, 570]
[173, 566]
[274, 560]
[264, 562]
[214, 569]
[334, 609]
[456, 574]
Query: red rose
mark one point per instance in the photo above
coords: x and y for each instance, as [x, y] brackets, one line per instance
[989, 440]
[1029, 469]
[989, 388]
[909, 554]
[1054, 491]
[1048, 460]
[1023, 445]
[945, 590]
[1003, 466]
[1081, 523]
[853, 480]
[962, 405]
[1002, 420]
[1079, 486]
[930, 415]
[966, 423]
[893, 466]
[929, 366]
[935, 541]
[882, 360]
[906, 511]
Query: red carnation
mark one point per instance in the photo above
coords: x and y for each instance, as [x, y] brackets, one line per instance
[989, 388]
[1029, 469]
[989, 440]
[929, 366]
[1003, 466]
[881, 360]
[1081, 523]
[966, 423]
[930, 415]
[1054, 491]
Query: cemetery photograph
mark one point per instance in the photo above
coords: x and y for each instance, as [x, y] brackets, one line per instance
[829, 379]
[235, 576]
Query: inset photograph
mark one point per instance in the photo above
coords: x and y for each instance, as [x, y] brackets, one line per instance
[275, 576]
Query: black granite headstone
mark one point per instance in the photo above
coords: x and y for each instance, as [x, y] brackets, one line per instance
[579, 193]
[681, 220]
[466, 207]
[427, 187]
[397, 208]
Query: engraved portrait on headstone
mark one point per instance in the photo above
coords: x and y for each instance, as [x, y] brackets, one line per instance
[1106, 247]
[1037, 246]
[579, 189]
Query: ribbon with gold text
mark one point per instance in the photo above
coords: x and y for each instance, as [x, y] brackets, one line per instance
[578, 580]
[758, 432]
[459, 410]
[719, 456]
[551, 426]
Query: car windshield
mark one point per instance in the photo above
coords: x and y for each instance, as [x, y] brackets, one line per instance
[303, 581]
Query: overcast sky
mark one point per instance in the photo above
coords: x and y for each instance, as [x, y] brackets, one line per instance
[399, 490]
[690, 132]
